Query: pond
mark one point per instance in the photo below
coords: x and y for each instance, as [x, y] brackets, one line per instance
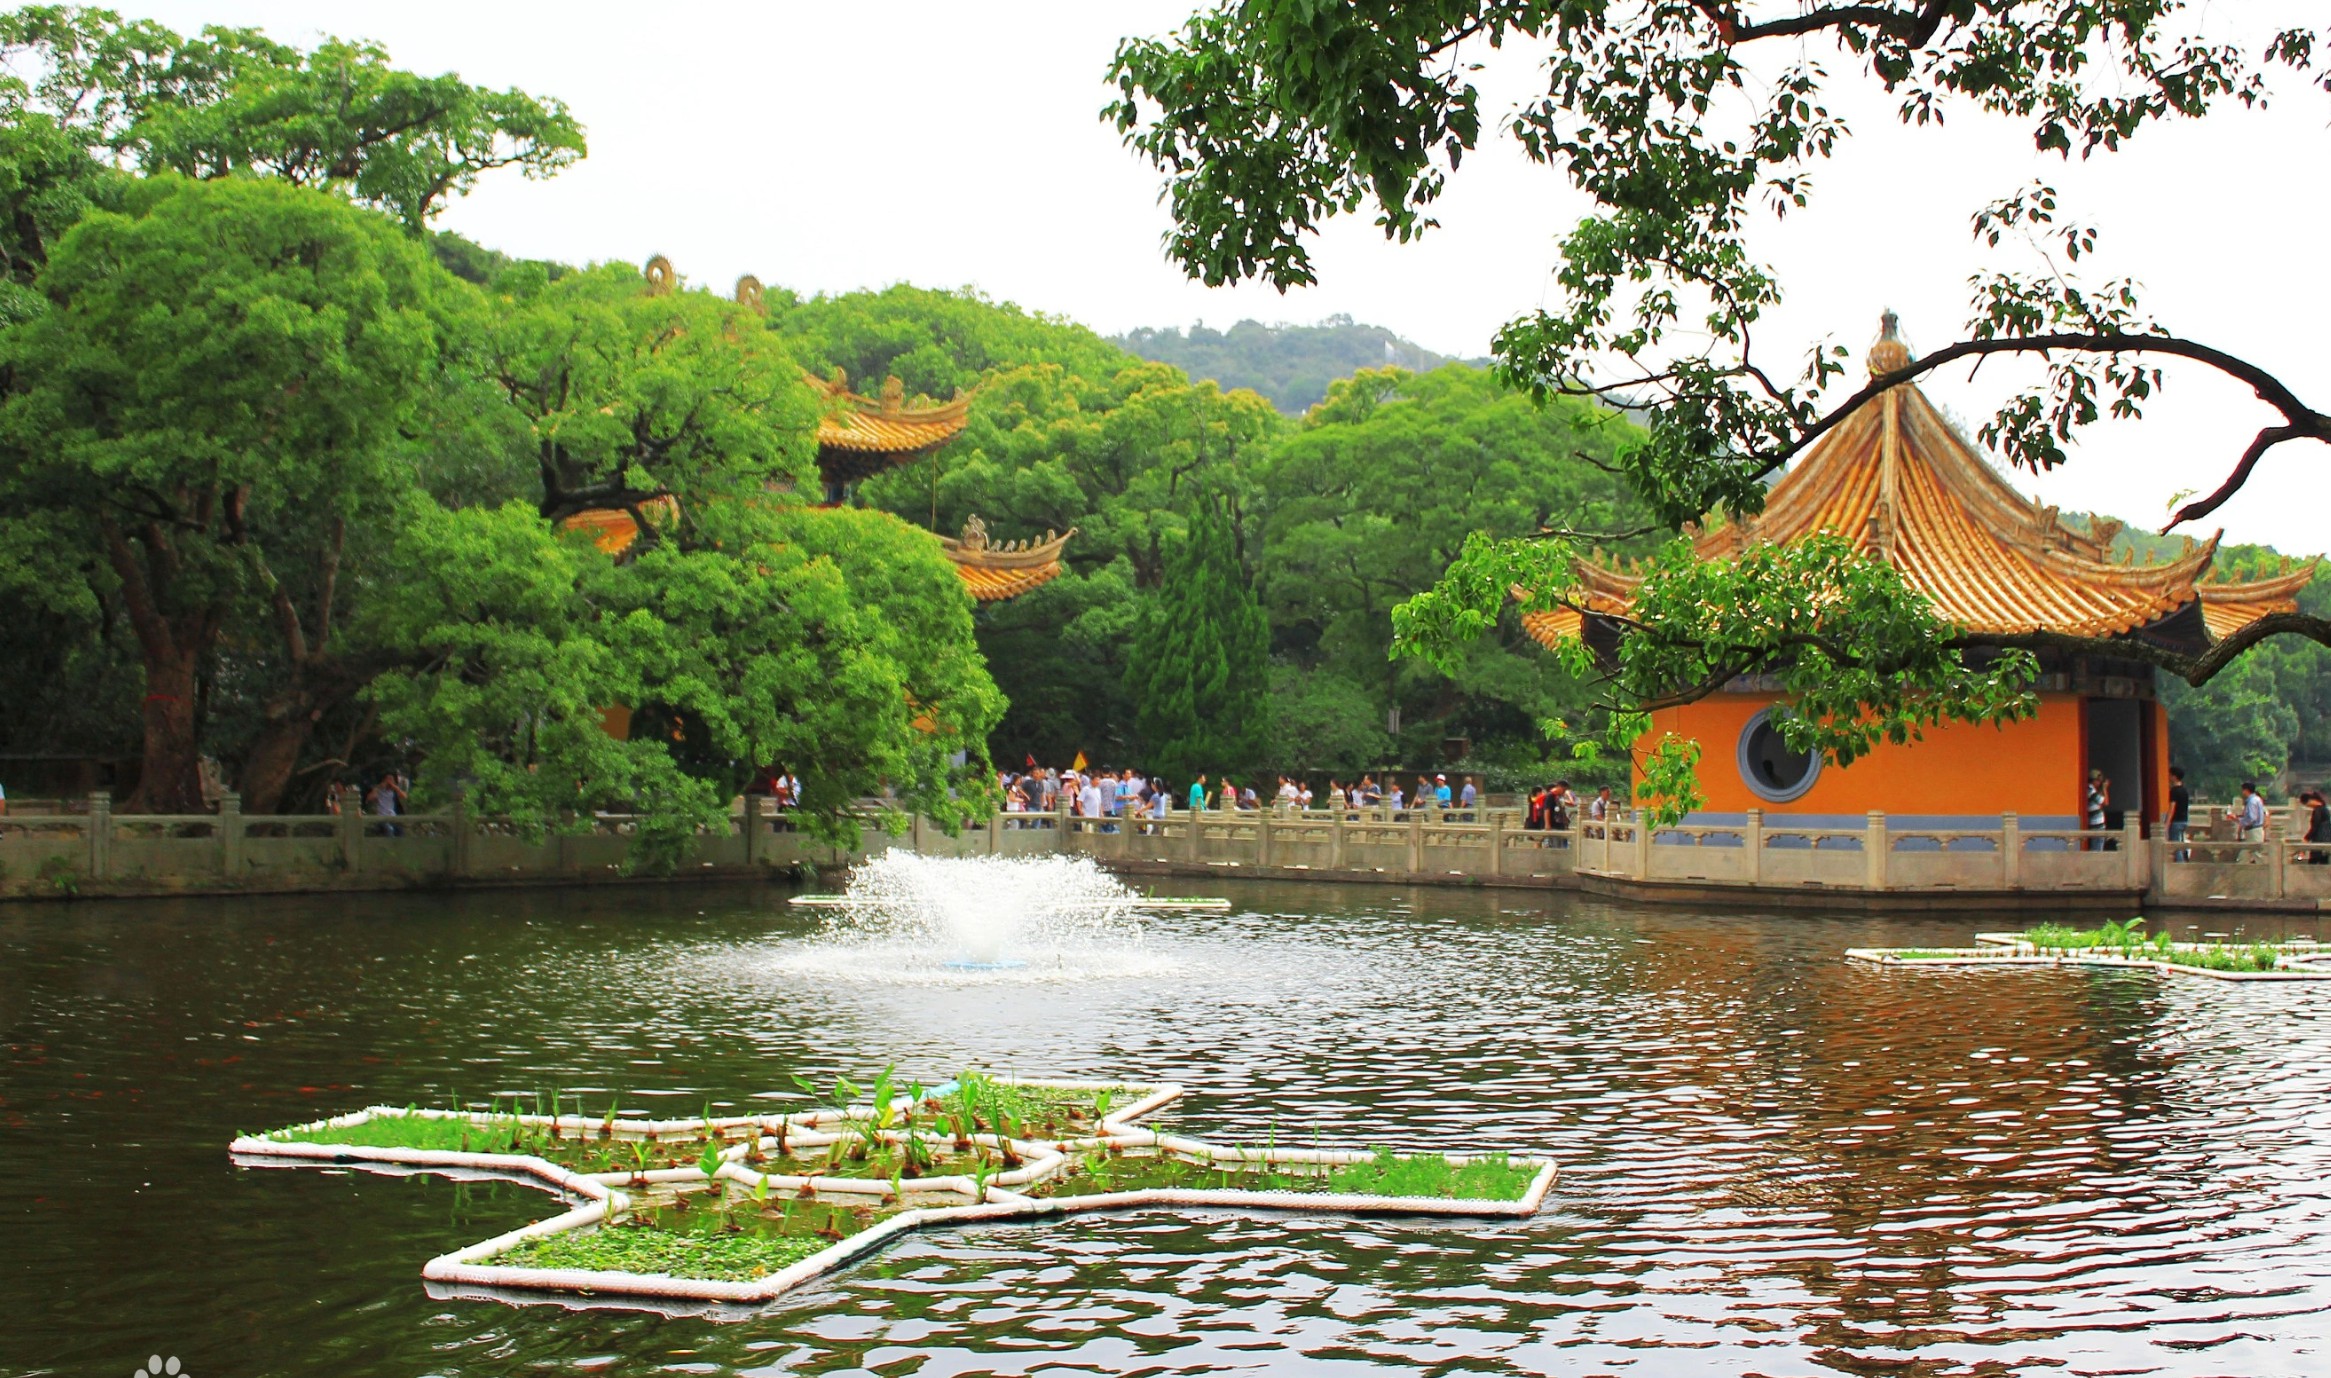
[1772, 1161]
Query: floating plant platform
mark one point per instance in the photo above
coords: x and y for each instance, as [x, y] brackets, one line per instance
[736, 1211]
[2118, 945]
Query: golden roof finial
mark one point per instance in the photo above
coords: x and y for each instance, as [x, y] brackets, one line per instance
[974, 534]
[660, 277]
[1889, 353]
[749, 293]
[893, 396]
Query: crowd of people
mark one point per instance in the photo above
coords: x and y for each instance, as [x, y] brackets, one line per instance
[1127, 793]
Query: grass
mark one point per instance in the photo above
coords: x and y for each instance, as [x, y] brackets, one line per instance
[2228, 957]
[733, 1240]
[577, 1150]
[1387, 1174]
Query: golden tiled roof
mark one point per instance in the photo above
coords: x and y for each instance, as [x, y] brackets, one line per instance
[992, 573]
[859, 436]
[612, 528]
[1897, 479]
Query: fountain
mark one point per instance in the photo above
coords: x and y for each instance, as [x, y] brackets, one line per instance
[904, 914]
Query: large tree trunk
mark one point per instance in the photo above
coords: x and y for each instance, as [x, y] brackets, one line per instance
[170, 780]
[273, 756]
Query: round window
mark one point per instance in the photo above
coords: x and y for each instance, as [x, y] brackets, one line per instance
[1774, 772]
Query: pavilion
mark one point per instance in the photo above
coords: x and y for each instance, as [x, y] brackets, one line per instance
[1905, 486]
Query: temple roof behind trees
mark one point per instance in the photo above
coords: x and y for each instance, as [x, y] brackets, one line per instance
[993, 572]
[861, 436]
[857, 436]
[1901, 482]
[990, 572]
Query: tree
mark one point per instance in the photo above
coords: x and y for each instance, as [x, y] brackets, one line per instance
[232, 102]
[1268, 116]
[631, 397]
[1377, 492]
[837, 644]
[219, 391]
[1200, 676]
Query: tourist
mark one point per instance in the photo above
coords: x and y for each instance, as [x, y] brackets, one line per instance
[2251, 818]
[1561, 807]
[1160, 799]
[386, 800]
[1392, 797]
[1467, 796]
[1441, 795]
[1598, 811]
[1198, 793]
[2318, 826]
[2099, 790]
[2180, 817]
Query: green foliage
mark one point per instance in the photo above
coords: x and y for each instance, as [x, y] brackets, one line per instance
[232, 102]
[1293, 365]
[1200, 672]
[215, 411]
[629, 397]
[1379, 490]
[836, 643]
[2237, 727]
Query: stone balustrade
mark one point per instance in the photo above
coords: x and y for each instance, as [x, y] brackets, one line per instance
[1905, 862]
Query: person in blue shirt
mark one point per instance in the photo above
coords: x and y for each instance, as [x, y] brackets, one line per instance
[1198, 793]
[1441, 790]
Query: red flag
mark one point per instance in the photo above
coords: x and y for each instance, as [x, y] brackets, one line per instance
[1031, 760]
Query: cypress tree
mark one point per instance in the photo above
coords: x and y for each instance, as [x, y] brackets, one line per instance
[1201, 663]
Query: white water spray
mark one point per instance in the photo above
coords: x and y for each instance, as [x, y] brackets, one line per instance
[919, 918]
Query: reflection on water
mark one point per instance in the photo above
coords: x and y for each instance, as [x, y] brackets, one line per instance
[1773, 1162]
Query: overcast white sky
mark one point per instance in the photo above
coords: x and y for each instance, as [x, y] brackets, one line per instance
[828, 147]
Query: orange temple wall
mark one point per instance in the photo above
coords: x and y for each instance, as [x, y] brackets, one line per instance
[2034, 767]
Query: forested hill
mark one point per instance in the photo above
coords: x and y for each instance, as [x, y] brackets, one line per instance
[1290, 364]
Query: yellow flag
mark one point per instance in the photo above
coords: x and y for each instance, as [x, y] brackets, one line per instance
[1078, 765]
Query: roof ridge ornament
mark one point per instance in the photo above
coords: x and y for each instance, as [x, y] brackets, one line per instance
[1889, 354]
[748, 294]
[661, 279]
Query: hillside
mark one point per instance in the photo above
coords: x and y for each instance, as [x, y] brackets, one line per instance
[1289, 364]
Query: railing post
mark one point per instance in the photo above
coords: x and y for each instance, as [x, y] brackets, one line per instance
[461, 832]
[915, 833]
[1416, 842]
[100, 833]
[1496, 841]
[2276, 855]
[1196, 842]
[1874, 853]
[2010, 851]
[1642, 846]
[1335, 842]
[230, 827]
[1752, 839]
[352, 833]
[2133, 843]
[2159, 862]
[1263, 837]
[995, 833]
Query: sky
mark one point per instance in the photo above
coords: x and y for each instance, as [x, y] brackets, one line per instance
[827, 147]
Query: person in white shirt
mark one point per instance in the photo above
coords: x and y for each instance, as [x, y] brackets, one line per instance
[2252, 818]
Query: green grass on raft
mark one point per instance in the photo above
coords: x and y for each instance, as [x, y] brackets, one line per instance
[1388, 1174]
[625, 1248]
[731, 1238]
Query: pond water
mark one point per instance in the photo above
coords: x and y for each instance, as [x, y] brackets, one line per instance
[1773, 1162]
